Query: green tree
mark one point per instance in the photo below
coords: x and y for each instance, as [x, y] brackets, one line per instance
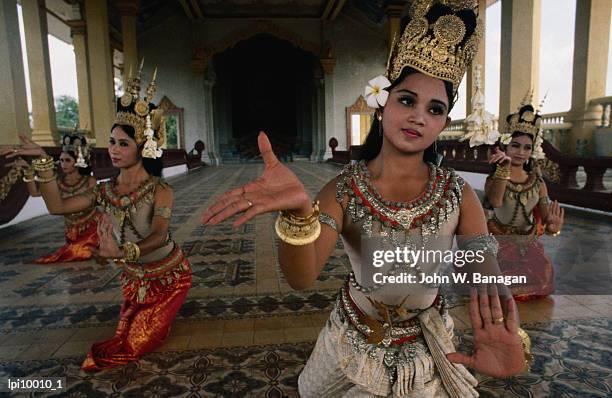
[66, 111]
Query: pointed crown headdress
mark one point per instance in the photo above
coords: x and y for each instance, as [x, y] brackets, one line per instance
[440, 40]
[77, 144]
[526, 120]
[142, 115]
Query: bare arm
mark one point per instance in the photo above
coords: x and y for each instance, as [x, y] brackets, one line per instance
[303, 264]
[496, 187]
[159, 226]
[53, 199]
[494, 190]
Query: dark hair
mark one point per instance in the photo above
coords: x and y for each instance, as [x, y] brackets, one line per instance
[153, 166]
[373, 142]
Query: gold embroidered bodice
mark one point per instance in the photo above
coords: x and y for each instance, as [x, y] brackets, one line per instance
[429, 222]
[66, 191]
[518, 204]
[132, 214]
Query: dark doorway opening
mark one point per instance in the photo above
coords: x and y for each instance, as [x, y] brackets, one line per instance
[264, 84]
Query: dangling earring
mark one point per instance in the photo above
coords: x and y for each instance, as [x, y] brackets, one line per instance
[380, 131]
[439, 156]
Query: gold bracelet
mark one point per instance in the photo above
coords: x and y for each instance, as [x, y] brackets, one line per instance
[43, 163]
[43, 180]
[28, 179]
[552, 233]
[131, 252]
[526, 342]
[298, 231]
[502, 173]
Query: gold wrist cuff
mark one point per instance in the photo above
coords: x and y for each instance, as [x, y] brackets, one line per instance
[131, 252]
[502, 173]
[526, 342]
[552, 233]
[43, 163]
[296, 230]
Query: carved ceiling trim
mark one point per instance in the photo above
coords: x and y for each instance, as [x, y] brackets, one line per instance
[238, 35]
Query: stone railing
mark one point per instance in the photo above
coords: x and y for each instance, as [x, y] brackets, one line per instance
[558, 169]
[606, 103]
[15, 193]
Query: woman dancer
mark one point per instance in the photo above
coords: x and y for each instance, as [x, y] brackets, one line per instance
[383, 340]
[80, 227]
[156, 275]
[521, 208]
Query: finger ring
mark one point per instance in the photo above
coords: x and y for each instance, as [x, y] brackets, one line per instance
[498, 321]
[249, 203]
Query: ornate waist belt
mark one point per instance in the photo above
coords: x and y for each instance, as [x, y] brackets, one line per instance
[156, 269]
[381, 332]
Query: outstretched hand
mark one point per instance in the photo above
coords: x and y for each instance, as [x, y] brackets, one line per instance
[107, 247]
[27, 148]
[555, 218]
[498, 351]
[278, 188]
[500, 157]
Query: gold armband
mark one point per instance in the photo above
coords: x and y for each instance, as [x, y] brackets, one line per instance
[43, 163]
[43, 180]
[526, 342]
[131, 252]
[298, 231]
[502, 173]
[163, 212]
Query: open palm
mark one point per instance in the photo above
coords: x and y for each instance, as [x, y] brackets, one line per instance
[498, 350]
[278, 188]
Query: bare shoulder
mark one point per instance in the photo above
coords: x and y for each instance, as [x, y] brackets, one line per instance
[163, 192]
[328, 196]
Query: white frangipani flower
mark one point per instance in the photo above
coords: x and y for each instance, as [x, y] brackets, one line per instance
[375, 93]
[506, 138]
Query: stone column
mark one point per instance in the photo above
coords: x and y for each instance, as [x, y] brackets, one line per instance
[100, 70]
[129, 12]
[591, 41]
[394, 13]
[520, 52]
[13, 107]
[478, 59]
[328, 71]
[41, 88]
[79, 42]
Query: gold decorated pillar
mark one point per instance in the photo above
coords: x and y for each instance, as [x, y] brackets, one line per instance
[520, 53]
[13, 102]
[41, 88]
[394, 13]
[591, 41]
[79, 42]
[479, 59]
[129, 12]
[100, 70]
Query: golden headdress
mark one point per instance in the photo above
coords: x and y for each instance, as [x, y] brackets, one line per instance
[440, 40]
[526, 120]
[142, 115]
[76, 143]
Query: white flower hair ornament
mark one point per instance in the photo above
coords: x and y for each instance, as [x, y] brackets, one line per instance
[538, 151]
[505, 138]
[375, 94]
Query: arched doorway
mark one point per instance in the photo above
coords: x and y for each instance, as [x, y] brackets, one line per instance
[264, 83]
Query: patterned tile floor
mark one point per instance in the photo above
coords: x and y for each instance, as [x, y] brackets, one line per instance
[243, 331]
